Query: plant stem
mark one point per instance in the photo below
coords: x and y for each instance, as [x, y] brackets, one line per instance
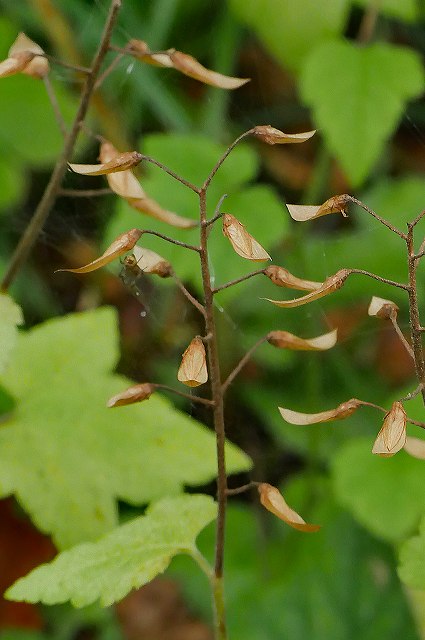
[171, 240]
[415, 325]
[393, 283]
[232, 282]
[242, 362]
[377, 217]
[218, 411]
[48, 199]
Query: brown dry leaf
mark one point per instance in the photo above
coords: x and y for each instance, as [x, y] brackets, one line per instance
[342, 411]
[382, 308]
[286, 340]
[283, 278]
[331, 284]
[126, 185]
[11, 66]
[186, 64]
[136, 393]
[242, 242]
[302, 213]
[193, 368]
[150, 262]
[124, 243]
[273, 501]
[392, 436]
[121, 162]
[415, 447]
[27, 52]
[270, 135]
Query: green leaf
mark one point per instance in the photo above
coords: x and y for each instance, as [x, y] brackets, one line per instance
[67, 457]
[412, 560]
[126, 558]
[357, 96]
[290, 30]
[392, 505]
[406, 10]
[10, 317]
[28, 128]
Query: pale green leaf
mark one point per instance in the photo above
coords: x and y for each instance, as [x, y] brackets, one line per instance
[12, 182]
[392, 504]
[412, 560]
[10, 317]
[358, 95]
[403, 9]
[67, 457]
[290, 30]
[125, 559]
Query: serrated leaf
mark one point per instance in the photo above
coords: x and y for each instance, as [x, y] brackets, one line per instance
[357, 96]
[405, 10]
[67, 457]
[126, 558]
[412, 560]
[291, 29]
[10, 317]
[392, 505]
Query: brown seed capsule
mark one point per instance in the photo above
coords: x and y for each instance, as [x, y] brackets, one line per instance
[193, 368]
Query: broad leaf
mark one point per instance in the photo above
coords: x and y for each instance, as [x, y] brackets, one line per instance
[67, 457]
[358, 96]
[10, 317]
[126, 558]
[412, 560]
[291, 29]
[392, 505]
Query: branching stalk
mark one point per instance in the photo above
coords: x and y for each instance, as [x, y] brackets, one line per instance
[242, 362]
[48, 199]
[415, 325]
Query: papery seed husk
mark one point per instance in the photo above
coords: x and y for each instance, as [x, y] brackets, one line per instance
[136, 393]
[273, 501]
[331, 284]
[415, 447]
[270, 135]
[243, 242]
[342, 411]
[382, 308]
[283, 278]
[193, 368]
[392, 435]
[286, 340]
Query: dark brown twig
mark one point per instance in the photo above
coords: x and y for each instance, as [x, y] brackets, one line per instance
[387, 224]
[242, 279]
[188, 396]
[242, 363]
[393, 283]
[171, 240]
[189, 296]
[171, 173]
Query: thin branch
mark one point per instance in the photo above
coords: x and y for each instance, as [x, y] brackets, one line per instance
[55, 106]
[377, 406]
[243, 488]
[232, 282]
[400, 334]
[242, 363]
[84, 193]
[217, 212]
[108, 70]
[171, 173]
[393, 283]
[421, 253]
[417, 219]
[415, 324]
[74, 67]
[171, 240]
[50, 194]
[188, 396]
[223, 158]
[189, 296]
[412, 394]
[375, 215]
[368, 23]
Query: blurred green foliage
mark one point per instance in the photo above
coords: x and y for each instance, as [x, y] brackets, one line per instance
[308, 70]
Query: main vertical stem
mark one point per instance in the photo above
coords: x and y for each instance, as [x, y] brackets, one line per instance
[217, 396]
[415, 324]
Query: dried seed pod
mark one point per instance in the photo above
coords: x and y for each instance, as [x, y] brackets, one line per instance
[392, 436]
[331, 284]
[242, 242]
[193, 368]
[273, 501]
[336, 204]
[283, 278]
[382, 308]
[121, 162]
[150, 262]
[123, 244]
[286, 340]
[270, 135]
[342, 411]
[24, 57]
[136, 393]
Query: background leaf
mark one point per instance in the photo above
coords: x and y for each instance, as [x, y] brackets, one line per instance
[357, 96]
[406, 10]
[291, 29]
[10, 317]
[128, 557]
[67, 457]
